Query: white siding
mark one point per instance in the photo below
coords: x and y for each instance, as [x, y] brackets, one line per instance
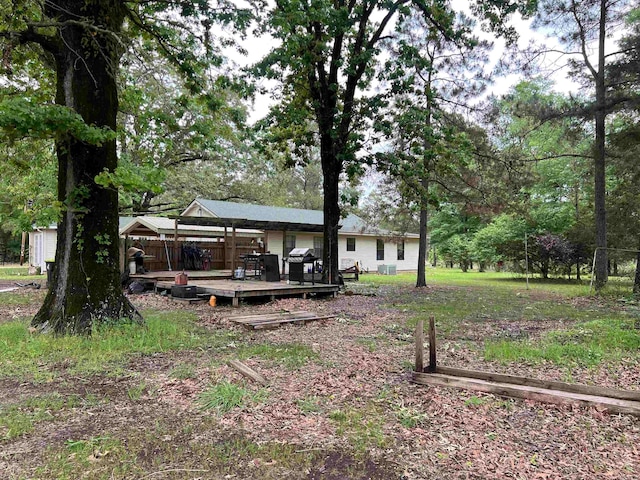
[365, 253]
[275, 243]
[51, 239]
[42, 248]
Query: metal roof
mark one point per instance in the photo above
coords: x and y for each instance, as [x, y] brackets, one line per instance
[248, 215]
[162, 225]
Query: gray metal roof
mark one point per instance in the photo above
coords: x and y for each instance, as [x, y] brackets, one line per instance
[162, 225]
[262, 213]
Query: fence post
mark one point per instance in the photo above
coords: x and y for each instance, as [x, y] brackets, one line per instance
[432, 344]
[419, 367]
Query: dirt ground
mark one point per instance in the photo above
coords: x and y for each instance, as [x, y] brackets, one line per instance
[348, 412]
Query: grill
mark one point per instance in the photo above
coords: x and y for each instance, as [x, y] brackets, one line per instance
[298, 258]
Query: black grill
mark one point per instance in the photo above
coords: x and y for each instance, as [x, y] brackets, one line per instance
[298, 258]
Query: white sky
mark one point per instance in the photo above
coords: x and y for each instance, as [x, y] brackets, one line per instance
[257, 48]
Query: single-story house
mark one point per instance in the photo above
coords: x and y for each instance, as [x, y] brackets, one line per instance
[226, 230]
[288, 228]
[43, 241]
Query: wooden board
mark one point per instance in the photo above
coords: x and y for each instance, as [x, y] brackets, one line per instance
[549, 395]
[188, 300]
[275, 319]
[548, 384]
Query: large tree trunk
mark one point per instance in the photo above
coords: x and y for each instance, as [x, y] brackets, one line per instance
[85, 290]
[331, 169]
[601, 273]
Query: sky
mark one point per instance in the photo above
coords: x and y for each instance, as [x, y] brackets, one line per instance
[257, 48]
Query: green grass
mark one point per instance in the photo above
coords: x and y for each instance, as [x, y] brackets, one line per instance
[503, 280]
[453, 306]
[99, 458]
[38, 356]
[19, 274]
[146, 454]
[20, 418]
[361, 427]
[17, 299]
[310, 405]
[410, 417]
[225, 396]
[292, 355]
[183, 371]
[585, 344]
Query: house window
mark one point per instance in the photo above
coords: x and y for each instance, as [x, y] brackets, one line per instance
[289, 244]
[318, 247]
[351, 244]
[401, 250]
[379, 249]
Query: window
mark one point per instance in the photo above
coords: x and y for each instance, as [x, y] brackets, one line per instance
[289, 244]
[401, 250]
[379, 249]
[351, 244]
[318, 247]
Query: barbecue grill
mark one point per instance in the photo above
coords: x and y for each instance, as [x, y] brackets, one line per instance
[298, 258]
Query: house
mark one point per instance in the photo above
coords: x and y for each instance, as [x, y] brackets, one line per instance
[226, 230]
[43, 241]
[288, 228]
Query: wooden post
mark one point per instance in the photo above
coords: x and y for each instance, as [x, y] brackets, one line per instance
[233, 248]
[284, 251]
[420, 346]
[224, 250]
[432, 344]
[175, 246]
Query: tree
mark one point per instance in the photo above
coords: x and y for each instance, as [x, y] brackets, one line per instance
[434, 75]
[83, 42]
[582, 27]
[327, 57]
[170, 136]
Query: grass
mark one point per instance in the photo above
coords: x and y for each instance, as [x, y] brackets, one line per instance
[16, 298]
[291, 355]
[21, 418]
[225, 396]
[18, 274]
[183, 371]
[363, 428]
[410, 417]
[39, 357]
[595, 332]
[501, 280]
[100, 458]
[585, 344]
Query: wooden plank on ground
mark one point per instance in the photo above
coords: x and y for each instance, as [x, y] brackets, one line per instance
[276, 323]
[247, 372]
[234, 318]
[548, 384]
[271, 320]
[613, 405]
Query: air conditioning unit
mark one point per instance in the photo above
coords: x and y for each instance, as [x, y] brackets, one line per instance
[387, 269]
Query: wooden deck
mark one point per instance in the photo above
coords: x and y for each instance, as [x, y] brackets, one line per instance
[239, 289]
[166, 275]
